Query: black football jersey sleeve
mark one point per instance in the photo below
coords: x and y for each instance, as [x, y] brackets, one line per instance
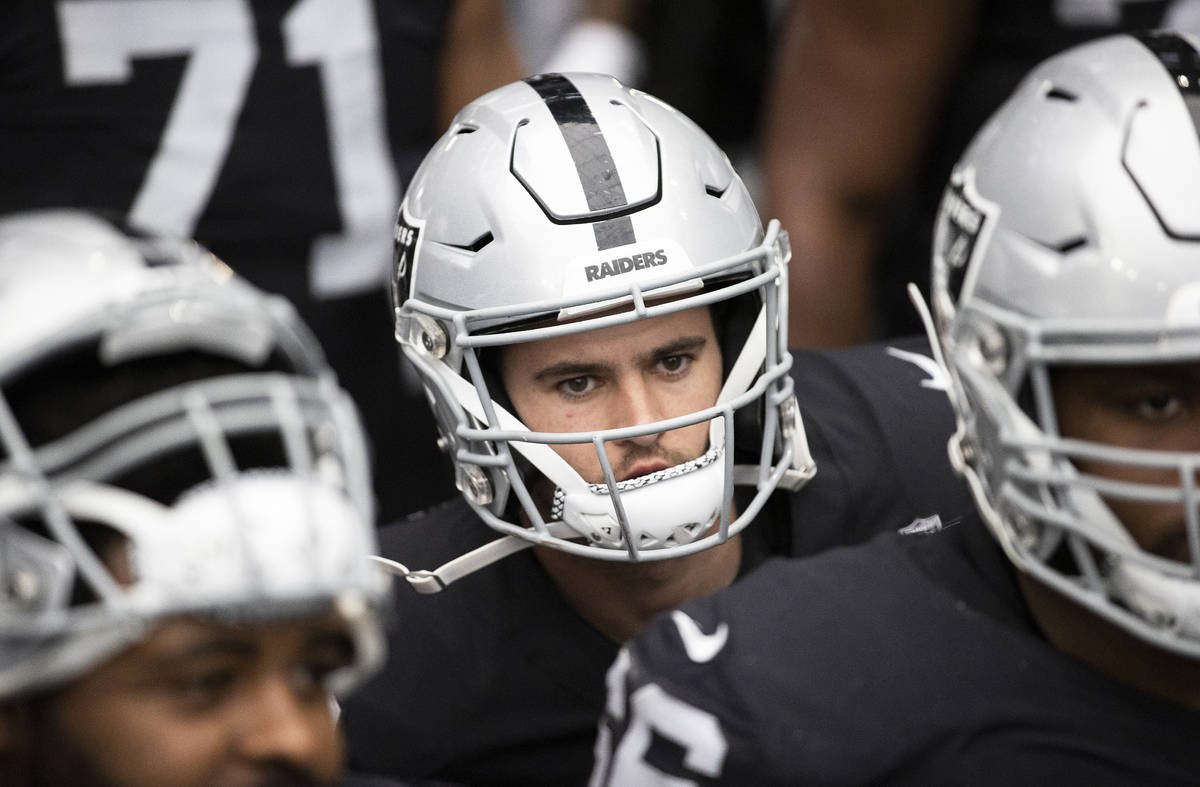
[877, 419]
[878, 665]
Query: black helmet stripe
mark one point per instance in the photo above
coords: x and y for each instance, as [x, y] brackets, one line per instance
[593, 161]
[1182, 62]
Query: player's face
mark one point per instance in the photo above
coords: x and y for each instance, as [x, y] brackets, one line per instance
[200, 703]
[1143, 407]
[623, 375]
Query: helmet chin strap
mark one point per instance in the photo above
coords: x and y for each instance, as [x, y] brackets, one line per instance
[1170, 605]
[749, 361]
[569, 483]
[741, 377]
[434, 581]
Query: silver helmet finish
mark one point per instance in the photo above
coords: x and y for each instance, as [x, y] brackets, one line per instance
[1070, 236]
[567, 203]
[241, 539]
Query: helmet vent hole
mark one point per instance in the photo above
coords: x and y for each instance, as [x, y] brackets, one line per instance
[475, 245]
[713, 191]
[1071, 244]
[465, 130]
[159, 258]
[1058, 94]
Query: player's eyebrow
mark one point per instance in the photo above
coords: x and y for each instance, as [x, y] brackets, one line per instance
[220, 646]
[568, 369]
[335, 640]
[1152, 374]
[1171, 373]
[684, 344]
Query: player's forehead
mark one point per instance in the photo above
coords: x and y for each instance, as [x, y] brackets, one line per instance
[182, 639]
[615, 343]
[1138, 405]
[1096, 380]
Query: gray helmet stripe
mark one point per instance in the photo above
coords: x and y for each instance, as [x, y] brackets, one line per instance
[593, 161]
[1182, 62]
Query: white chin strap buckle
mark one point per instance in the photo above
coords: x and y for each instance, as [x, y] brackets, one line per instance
[659, 515]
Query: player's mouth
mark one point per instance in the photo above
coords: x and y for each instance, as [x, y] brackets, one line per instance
[645, 468]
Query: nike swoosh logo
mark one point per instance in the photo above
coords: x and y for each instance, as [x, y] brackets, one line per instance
[700, 647]
[937, 377]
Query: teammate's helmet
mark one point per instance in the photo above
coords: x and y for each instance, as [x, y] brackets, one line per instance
[1070, 235]
[150, 400]
[547, 205]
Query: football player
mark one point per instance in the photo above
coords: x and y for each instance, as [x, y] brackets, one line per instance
[599, 317]
[278, 133]
[1055, 636]
[185, 520]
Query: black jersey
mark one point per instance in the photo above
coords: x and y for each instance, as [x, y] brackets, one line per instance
[273, 131]
[909, 660]
[498, 680]
[278, 133]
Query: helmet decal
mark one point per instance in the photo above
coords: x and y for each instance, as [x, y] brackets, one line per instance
[598, 173]
[963, 222]
[404, 257]
[1181, 60]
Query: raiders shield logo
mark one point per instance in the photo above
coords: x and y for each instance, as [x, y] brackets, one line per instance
[963, 219]
[403, 254]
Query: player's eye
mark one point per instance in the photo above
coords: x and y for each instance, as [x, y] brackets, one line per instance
[1160, 406]
[311, 676]
[204, 689]
[674, 364]
[577, 386]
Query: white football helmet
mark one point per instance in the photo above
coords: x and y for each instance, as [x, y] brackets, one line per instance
[547, 204]
[146, 389]
[1070, 235]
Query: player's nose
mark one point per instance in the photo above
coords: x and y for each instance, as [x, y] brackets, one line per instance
[284, 726]
[638, 406]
